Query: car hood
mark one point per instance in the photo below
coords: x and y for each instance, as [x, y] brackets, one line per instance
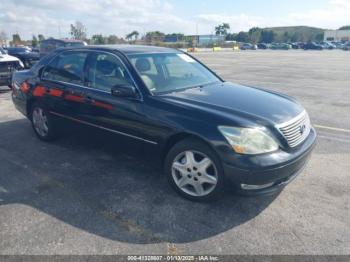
[30, 55]
[8, 58]
[239, 100]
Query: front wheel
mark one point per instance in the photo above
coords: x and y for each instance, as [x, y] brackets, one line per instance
[43, 123]
[194, 170]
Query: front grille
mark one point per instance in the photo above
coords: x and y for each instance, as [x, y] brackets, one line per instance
[8, 67]
[296, 130]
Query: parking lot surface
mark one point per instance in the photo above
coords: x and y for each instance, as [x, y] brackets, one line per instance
[88, 194]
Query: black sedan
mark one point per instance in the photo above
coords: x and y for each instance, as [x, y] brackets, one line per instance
[25, 54]
[210, 131]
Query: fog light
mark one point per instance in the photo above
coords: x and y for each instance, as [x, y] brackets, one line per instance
[256, 187]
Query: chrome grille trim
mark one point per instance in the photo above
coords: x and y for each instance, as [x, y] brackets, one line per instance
[292, 132]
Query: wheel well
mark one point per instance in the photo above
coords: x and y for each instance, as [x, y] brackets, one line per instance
[30, 103]
[177, 138]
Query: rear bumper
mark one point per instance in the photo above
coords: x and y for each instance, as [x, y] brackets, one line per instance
[283, 168]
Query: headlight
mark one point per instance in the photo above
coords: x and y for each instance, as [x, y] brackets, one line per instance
[250, 141]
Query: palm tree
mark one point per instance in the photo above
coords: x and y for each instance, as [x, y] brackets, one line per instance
[134, 34]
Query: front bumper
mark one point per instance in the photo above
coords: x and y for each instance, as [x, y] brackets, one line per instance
[5, 79]
[268, 173]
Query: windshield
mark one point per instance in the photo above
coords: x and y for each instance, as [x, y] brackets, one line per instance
[2, 51]
[74, 44]
[167, 72]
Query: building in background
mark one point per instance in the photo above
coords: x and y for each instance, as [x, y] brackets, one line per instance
[206, 40]
[337, 35]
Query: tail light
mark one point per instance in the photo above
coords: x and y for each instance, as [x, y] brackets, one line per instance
[39, 91]
[25, 87]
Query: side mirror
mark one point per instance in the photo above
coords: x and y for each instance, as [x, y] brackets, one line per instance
[124, 91]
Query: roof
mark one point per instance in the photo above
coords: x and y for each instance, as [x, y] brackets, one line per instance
[63, 40]
[133, 49]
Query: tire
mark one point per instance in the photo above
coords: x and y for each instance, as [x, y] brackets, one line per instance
[189, 175]
[43, 123]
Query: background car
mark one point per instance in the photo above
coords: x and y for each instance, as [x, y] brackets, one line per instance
[49, 45]
[312, 46]
[25, 54]
[248, 46]
[295, 45]
[8, 64]
[328, 45]
[346, 47]
[262, 46]
[280, 46]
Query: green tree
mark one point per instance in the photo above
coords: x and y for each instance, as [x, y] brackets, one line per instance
[34, 41]
[319, 37]
[345, 27]
[112, 40]
[231, 37]
[267, 36]
[16, 39]
[78, 31]
[286, 37]
[242, 37]
[255, 34]
[154, 36]
[134, 35]
[98, 39]
[41, 37]
[222, 29]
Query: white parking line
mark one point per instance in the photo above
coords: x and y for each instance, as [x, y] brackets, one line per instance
[335, 139]
[333, 128]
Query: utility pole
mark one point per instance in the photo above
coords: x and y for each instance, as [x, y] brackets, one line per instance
[59, 31]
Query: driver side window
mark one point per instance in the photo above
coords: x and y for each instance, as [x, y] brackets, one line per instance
[105, 71]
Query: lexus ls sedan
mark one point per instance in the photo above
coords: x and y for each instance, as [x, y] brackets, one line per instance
[213, 134]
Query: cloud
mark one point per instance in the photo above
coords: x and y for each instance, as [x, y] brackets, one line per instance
[49, 17]
[237, 23]
[105, 16]
[336, 14]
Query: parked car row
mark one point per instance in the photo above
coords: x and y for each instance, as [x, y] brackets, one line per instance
[8, 64]
[25, 54]
[24, 57]
[297, 45]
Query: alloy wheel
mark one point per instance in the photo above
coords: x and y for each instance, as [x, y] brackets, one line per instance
[194, 173]
[40, 122]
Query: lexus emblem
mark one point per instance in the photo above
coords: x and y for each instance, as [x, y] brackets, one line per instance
[302, 129]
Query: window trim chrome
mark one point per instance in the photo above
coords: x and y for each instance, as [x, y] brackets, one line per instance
[293, 120]
[90, 88]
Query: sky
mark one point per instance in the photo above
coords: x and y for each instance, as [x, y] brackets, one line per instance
[53, 17]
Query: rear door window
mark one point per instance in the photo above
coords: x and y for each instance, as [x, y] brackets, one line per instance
[67, 67]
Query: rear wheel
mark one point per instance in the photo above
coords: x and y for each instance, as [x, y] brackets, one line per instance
[194, 170]
[43, 123]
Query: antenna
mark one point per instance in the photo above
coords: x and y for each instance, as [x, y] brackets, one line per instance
[59, 31]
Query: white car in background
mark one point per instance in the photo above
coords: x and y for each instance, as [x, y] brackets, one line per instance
[8, 64]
